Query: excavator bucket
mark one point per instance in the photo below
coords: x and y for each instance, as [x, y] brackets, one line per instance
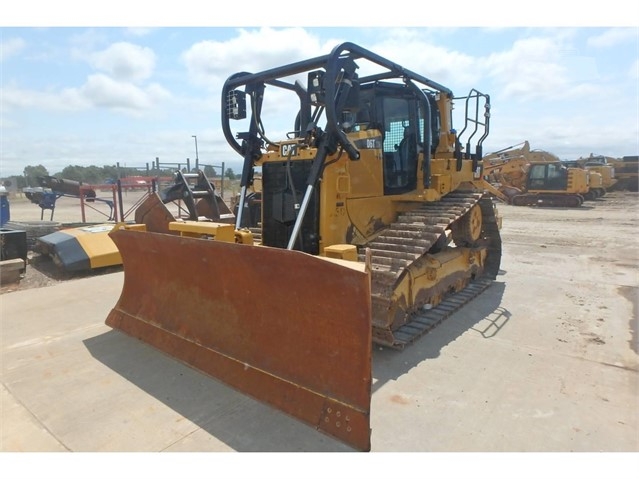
[287, 328]
[153, 213]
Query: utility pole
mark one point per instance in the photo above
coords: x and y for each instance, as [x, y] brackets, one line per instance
[197, 160]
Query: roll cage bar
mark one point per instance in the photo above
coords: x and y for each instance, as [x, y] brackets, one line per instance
[333, 87]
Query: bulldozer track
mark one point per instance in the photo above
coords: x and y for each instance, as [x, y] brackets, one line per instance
[424, 321]
[415, 234]
[548, 199]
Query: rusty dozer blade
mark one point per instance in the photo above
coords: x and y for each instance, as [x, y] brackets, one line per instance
[287, 328]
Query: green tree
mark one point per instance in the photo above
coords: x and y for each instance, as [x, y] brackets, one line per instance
[31, 174]
[229, 174]
[110, 172]
[21, 182]
[72, 172]
[93, 175]
[209, 171]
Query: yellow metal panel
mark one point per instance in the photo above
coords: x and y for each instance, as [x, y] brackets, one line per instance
[220, 231]
[441, 183]
[341, 251]
[88, 230]
[98, 246]
[343, 184]
[369, 216]
[135, 227]
[366, 176]
[244, 237]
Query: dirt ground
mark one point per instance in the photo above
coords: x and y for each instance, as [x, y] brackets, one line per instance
[69, 212]
[41, 271]
[605, 223]
[545, 360]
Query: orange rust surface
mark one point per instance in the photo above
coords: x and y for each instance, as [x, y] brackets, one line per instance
[284, 327]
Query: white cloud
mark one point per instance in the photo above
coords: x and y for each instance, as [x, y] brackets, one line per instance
[544, 87]
[124, 66]
[125, 61]
[99, 91]
[566, 139]
[440, 64]
[210, 63]
[541, 68]
[19, 98]
[614, 37]
[103, 91]
[11, 47]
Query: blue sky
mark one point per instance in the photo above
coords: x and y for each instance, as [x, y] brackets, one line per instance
[82, 93]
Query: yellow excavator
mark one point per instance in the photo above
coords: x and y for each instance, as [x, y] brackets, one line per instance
[373, 227]
[602, 165]
[524, 177]
[599, 178]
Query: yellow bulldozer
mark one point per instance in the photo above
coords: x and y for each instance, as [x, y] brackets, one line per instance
[626, 172]
[373, 227]
[524, 177]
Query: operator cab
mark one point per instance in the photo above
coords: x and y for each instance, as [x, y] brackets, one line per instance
[548, 176]
[398, 114]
